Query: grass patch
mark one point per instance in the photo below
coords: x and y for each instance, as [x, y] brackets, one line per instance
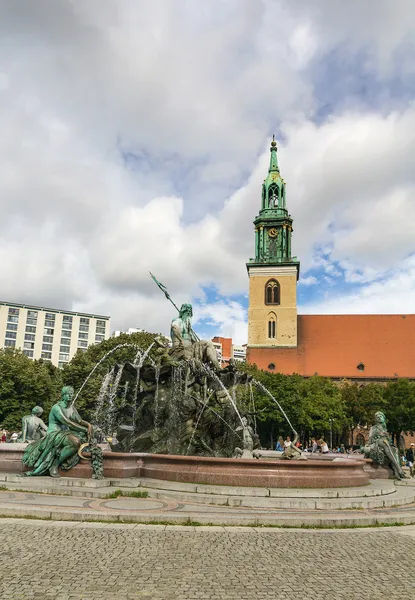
[121, 493]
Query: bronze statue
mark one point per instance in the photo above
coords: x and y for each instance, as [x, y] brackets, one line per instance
[60, 446]
[379, 447]
[33, 428]
[247, 440]
[186, 344]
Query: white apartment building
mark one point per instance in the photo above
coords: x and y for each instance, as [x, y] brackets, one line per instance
[239, 351]
[50, 333]
[129, 331]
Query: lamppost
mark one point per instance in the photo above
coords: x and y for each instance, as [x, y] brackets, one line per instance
[331, 420]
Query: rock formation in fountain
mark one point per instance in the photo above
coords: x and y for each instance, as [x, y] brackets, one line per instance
[180, 402]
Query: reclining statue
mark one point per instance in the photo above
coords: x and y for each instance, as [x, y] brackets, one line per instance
[65, 434]
[185, 343]
[33, 428]
[379, 447]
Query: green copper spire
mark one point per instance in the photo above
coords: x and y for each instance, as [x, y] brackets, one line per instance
[273, 225]
[273, 161]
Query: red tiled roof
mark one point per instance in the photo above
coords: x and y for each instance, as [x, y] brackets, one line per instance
[334, 345]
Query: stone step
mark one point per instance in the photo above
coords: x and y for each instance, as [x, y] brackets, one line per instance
[399, 498]
[379, 494]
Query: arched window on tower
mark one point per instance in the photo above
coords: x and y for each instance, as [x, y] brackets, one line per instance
[272, 326]
[272, 292]
[273, 195]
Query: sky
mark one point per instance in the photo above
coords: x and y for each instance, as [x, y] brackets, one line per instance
[135, 137]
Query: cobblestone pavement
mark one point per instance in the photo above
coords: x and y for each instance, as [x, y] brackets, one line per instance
[96, 561]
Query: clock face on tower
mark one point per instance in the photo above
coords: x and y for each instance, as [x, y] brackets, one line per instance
[273, 233]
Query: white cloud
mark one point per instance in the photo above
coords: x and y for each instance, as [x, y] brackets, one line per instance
[394, 294]
[310, 280]
[132, 140]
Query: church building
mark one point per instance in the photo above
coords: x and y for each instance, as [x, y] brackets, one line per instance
[356, 347]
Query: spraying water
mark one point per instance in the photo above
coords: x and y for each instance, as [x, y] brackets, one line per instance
[213, 375]
[97, 365]
[264, 389]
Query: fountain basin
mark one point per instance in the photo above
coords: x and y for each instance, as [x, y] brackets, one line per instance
[116, 464]
[254, 473]
[215, 471]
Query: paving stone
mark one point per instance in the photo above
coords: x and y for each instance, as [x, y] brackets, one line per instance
[107, 562]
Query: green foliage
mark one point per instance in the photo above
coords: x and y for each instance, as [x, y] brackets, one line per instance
[399, 399]
[78, 369]
[23, 384]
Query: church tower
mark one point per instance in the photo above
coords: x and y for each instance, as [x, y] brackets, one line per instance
[273, 273]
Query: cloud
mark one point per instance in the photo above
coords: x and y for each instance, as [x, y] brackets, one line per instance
[135, 138]
[310, 280]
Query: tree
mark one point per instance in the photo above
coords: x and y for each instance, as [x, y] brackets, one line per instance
[119, 350]
[361, 403]
[25, 383]
[399, 407]
[322, 406]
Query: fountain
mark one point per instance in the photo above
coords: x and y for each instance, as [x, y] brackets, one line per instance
[177, 416]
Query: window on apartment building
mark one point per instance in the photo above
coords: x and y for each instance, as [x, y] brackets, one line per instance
[30, 329]
[272, 292]
[99, 338]
[11, 335]
[67, 319]
[48, 339]
[28, 353]
[272, 326]
[10, 343]
[64, 349]
[100, 330]
[46, 331]
[29, 337]
[12, 319]
[29, 345]
[84, 321]
[13, 311]
[62, 363]
[12, 326]
[63, 356]
[100, 323]
[66, 334]
[32, 314]
[67, 325]
[82, 344]
[47, 347]
[50, 316]
[84, 328]
[31, 321]
[46, 355]
[49, 323]
[83, 336]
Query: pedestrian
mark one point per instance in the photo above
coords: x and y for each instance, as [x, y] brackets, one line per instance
[287, 442]
[280, 444]
[314, 445]
[409, 454]
[324, 447]
[3, 436]
[13, 437]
